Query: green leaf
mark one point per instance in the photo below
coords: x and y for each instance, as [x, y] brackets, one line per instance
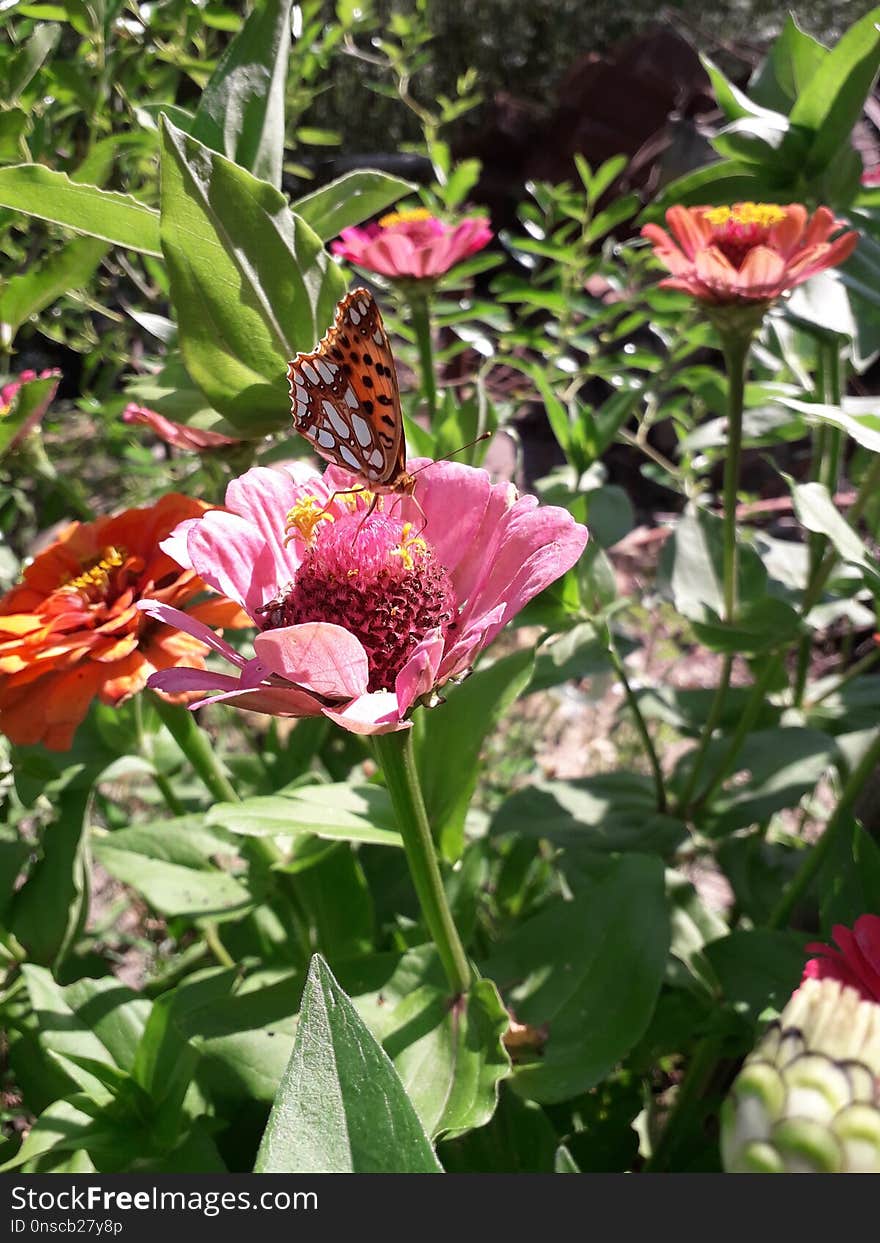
[341, 1108]
[241, 111]
[590, 969]
[760, 626]
[27, 61]
[757, 968]
[115, 218]
[832, 101]
[733, 102]
[520, 1139]
[27, 293]
[783, 766]
[28, 407]
[793, 60]
[863, 425]
[250, 282]
[348, 200]
[817, 511]
[449, 741]
[610, 812]
[170, 864]
[49, 911]
[14, 124]
[334, 812]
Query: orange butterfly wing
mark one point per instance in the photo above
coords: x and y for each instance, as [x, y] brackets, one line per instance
[345, 399]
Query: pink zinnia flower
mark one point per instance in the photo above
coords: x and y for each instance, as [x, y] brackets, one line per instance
[747, 253]
[176, 434]
[10, 391]
[856, 962]
[412, 245]
[362, 614]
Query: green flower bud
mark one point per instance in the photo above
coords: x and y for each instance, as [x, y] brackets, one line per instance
[807, 1099]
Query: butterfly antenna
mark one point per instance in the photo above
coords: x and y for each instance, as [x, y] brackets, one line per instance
[446, 456]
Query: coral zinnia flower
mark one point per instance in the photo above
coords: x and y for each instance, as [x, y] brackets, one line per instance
[856, 962]
[71, 630]
[178, 435]
[363, 613]
[412, 245]
[747, 253]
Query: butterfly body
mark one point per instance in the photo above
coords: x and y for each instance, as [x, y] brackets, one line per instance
[345, 398]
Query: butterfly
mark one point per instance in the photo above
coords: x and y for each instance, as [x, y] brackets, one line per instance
[345, 399]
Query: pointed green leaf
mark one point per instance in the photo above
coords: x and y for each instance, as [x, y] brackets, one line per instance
[348, 200]
[111, 217]
[241, 111]
[341, 1108]
[251, 283]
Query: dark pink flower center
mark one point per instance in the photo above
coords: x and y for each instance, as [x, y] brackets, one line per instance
[380, 580]
[737, 230]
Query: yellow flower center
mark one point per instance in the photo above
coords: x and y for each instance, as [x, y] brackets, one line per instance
[97, 576]
[764, 215]
[408, 545]
[412, 215]
[303, 519]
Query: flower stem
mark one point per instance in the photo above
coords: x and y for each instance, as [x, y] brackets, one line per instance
[812, 865]
[196, 746]
[397, 759]
[420, 317]
[687, 1104]
[736, 353]
[639, 720]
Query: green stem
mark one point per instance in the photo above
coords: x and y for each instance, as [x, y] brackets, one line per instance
[801, 882]
[196, 746]
[395, 754]
[736, 354]
[420, 318]
[712, 721]
[216, 946]
[172, 802]
[688, 1104]
[639, 720]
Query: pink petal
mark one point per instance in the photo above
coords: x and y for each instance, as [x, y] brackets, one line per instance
[453, 498]
[785, 236]
[419, 675]
[175, 545]
[762, 273]
[477, 555]
[231, 555]
[376, 713]
[319, 656]
[265, 497]
[391, 254]
[180, 680]
[191, 626]
[689, 228]
[471, 642]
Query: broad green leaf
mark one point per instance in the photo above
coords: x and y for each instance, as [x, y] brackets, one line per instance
[63, 1031]
[783, 765]
[115, 218]
[63, 1126]
[338, 905]
[763, 625]
[26, 293]
[850, 883]
[341, 1107]
[832, 101]
[348, 200]
[250, 282]
[49, 911]
[816, 510]
[241, 111]
[610, 812]
[793, 60]
[334, 812]
[758, 968]
[577, 652]
[113, 1012]
[734, 103]
[520, 1139]
[448, 743]
[590, 970]
[859, 423]
[170, 863]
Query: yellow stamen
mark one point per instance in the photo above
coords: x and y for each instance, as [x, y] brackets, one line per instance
[408, 545]
[411, 216]
[97, 575]
[765, 215]
[352, 500]
[303, 519]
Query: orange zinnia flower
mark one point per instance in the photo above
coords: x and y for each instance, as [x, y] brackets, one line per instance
[71, 629]
[747, 253]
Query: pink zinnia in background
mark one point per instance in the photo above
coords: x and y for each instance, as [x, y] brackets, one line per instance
[362, 614]
[750, 252]
[412, 245]
[857, 960]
